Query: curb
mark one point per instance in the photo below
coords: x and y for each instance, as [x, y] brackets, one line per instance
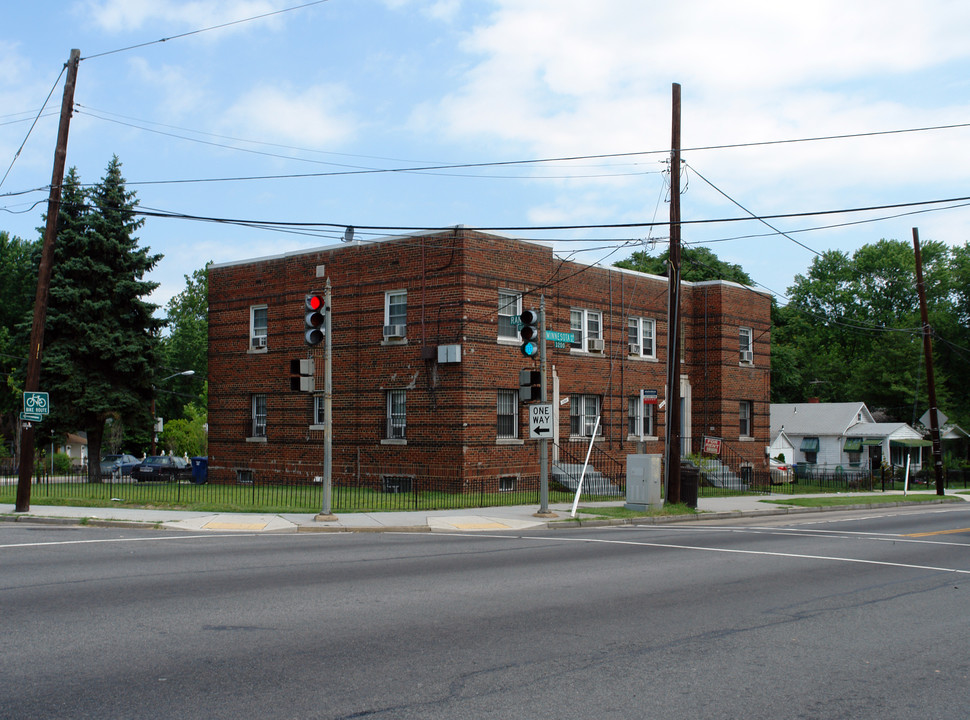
[376, 529]
[550, 525]
[735, 514]
[82, 522]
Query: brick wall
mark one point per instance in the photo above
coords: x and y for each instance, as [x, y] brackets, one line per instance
[452, 281]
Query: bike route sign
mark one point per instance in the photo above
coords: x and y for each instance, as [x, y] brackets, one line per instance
[37, 403]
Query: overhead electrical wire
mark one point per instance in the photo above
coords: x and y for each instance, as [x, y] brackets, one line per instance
[527, 228]
[140, 125]
[205, 29]
[753, 215]
[33, 125]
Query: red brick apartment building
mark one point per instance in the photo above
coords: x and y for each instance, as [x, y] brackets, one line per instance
[426, 361]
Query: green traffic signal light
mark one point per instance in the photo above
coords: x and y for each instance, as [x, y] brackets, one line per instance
[529, 332]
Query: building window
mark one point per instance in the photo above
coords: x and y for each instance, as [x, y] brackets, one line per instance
[258, 415]
[395, 314]
[583, 411]
[318, 414]
[257, 327]
[745, 418]
[640, 336]
[507, 483]
[509, 309]
[587, 329]
[508, 414]
[396, 414]
[634, 406]
[810, 447]
[746, 347]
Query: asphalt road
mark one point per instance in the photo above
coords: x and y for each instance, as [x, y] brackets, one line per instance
[834, 616]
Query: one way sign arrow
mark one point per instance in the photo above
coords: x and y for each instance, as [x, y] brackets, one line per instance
[540, 420]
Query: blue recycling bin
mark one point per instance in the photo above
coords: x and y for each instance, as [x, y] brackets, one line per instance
[200, 470]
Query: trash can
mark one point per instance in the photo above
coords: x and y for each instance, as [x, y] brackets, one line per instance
[689, 477]
[200, 470]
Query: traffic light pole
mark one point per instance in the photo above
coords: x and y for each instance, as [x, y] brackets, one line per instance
[326, 511]
[543, 397]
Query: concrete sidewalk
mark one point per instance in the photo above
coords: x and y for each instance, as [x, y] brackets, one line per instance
[491, 519]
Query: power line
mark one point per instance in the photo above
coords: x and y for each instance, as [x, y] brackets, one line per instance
[752, 214]
[33, 124]
[147, 212]
[139, 124]
[206, 29]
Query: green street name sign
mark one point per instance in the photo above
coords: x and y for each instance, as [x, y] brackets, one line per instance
[560, 338]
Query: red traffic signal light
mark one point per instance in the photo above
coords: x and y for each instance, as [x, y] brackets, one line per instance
[314, 319]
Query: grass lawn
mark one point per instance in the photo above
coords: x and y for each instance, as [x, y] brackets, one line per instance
[832, 501]
[618, 512]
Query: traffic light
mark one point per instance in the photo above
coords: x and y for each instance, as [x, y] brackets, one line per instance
[529, 332]
[530, 385]
[301, 375]
[314, 309]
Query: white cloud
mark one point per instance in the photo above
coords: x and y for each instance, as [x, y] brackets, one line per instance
[126, 15]
[557, 77]
[312, 116]
[179, 91]
[444, 10]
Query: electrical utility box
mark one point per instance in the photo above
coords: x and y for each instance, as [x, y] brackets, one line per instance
[643, 482]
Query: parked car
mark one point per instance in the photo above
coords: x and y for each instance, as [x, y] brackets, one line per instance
[781, 472]
[162, 467]
[118, 464]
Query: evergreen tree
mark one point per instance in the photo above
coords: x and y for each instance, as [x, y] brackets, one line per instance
[101, 338]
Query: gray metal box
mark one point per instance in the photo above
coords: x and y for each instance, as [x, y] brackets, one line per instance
[643, 482]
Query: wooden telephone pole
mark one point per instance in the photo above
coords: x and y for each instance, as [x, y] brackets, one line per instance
[32, 382]
[672, 444]
[930, 378]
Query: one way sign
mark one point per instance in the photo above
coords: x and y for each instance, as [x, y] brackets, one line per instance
[540, 421]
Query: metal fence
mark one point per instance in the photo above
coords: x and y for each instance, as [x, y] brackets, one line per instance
[379, 489]
[382, 487]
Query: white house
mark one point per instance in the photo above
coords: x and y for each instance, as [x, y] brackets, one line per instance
[841, 436]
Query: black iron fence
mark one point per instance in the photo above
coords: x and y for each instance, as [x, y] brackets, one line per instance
[382, 489]
[370, 485]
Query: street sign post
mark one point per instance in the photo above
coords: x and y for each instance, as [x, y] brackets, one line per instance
[540, 421]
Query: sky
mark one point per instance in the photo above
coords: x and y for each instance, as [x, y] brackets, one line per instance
[543, 119]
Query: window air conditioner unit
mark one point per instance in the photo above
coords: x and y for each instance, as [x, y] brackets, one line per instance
[259, 341]
[747, 356]
[594, 345]
[634, 349]
[395, 331]
[589, 429]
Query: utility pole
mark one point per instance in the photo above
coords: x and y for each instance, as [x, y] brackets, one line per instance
[930, 379]
[672, 436]
[326, 511]
[32, 381]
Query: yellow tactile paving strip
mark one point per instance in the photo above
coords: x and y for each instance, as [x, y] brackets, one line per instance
[220, 525]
